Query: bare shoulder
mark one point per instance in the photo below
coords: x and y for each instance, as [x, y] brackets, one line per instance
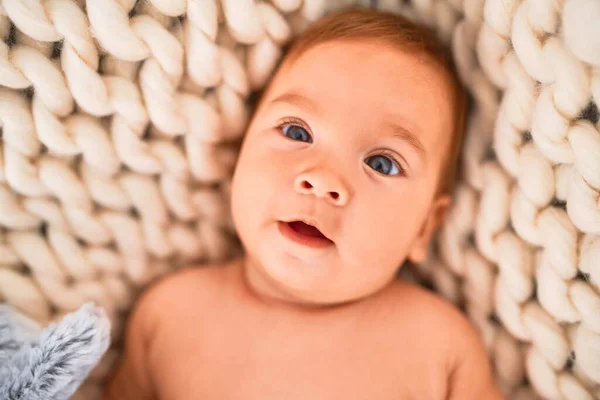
[169, 288]
[452, 336]
[428, 307]
[156, 319]
[180, 291]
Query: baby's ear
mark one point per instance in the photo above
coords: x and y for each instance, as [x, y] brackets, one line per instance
[434, 218]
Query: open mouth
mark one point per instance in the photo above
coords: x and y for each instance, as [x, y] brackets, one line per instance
[304, 234]
[306, 229]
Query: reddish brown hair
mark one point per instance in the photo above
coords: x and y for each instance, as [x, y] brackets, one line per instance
[406, 36]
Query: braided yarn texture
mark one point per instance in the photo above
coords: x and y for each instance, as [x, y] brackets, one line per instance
[120, 123]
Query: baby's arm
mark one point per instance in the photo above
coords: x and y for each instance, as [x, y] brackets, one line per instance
[132, 379]
[471, 376]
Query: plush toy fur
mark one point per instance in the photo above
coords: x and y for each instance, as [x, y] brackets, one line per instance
[49, 363]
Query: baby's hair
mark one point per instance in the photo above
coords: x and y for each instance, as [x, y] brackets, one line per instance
[401, 33]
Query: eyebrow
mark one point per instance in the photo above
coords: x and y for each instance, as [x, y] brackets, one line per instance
[297, 99]
[408, 137]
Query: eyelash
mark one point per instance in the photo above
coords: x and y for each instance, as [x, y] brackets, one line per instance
[382, 152]
[292, 121]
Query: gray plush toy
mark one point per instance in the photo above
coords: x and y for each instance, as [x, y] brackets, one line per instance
[49, 363]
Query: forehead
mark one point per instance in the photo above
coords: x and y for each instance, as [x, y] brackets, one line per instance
[370, 83]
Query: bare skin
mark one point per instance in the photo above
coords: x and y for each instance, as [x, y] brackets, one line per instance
[334, 144]
[204, 333]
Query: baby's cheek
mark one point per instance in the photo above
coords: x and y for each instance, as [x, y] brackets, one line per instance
[387, 233]
[252, 188]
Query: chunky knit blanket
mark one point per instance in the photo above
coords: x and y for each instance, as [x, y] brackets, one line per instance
[118, 128]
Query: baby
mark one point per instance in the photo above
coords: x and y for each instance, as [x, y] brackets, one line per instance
[344, 174]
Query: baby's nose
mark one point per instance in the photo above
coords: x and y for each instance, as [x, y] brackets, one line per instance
[323, 185]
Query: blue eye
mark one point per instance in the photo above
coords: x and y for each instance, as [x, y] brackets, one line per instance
[384, 165]
[296, 132]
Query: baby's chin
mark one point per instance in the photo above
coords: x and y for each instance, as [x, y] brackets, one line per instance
[304, 280]
[315, 283]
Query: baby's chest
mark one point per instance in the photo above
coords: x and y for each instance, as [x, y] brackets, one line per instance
[238, 364]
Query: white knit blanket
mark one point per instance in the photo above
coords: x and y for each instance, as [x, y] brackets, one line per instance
[115, 119]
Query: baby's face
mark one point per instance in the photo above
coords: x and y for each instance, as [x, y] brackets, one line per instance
[350, 138]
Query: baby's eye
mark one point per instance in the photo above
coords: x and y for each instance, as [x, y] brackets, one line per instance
[296, 132]
[384, 165]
